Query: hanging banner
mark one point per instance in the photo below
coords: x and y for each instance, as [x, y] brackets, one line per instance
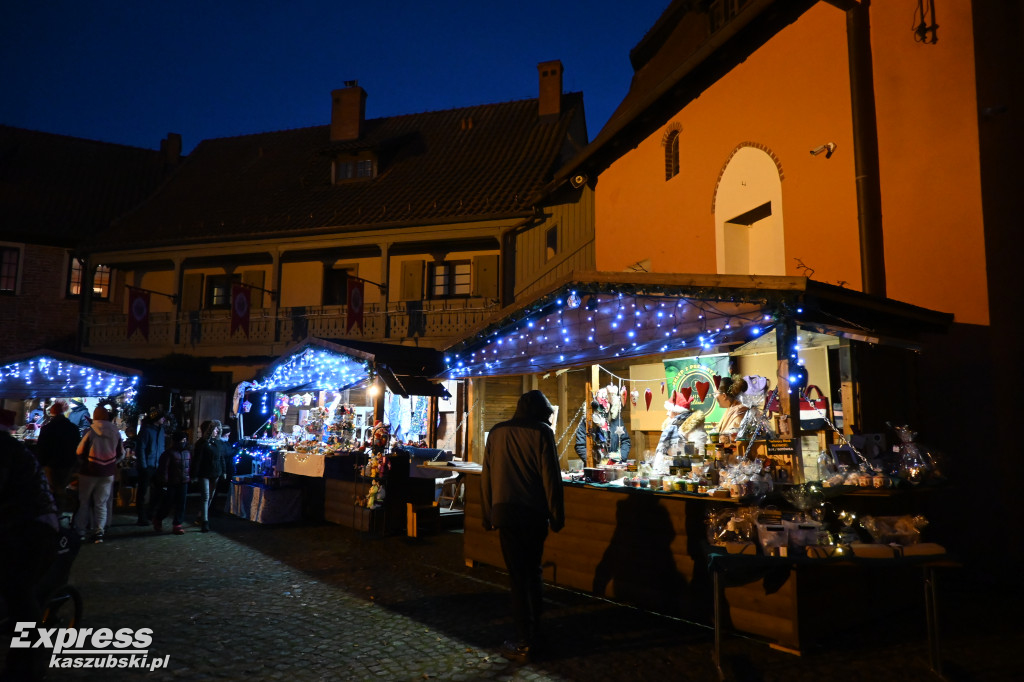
[354, 313]
[694, 377]
[138, 312]
[241, 296]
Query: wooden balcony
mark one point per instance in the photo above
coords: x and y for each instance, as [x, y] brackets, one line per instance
[208, 332]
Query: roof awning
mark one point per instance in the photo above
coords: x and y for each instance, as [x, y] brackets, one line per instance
[45, 373]
[326, 364]
[599, 316]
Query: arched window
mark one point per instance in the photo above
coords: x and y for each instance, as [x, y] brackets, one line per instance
[671, 154]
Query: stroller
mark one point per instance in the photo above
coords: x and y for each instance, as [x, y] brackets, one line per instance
[61, 602]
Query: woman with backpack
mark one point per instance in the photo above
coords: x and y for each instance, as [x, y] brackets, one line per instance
[100, 450]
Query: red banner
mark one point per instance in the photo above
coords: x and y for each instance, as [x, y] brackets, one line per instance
[355, 304]
[138, 312]
[241, 296]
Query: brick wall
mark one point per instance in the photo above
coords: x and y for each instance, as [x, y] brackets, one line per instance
[39, 316]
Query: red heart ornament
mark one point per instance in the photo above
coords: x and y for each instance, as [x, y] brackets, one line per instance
[687, 391]
[625, 395]
[648, 395]
[718, 381]
[702, 389]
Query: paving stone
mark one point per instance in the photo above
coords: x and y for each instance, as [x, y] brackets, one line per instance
[322, 602]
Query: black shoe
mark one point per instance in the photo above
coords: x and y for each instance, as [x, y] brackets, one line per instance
[205, 528]
[517, 651]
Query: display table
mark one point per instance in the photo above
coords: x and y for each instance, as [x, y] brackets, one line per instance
[739, 569]
[261, 504]
[304, 464]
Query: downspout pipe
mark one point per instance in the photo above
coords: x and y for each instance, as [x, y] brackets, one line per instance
[865, 148]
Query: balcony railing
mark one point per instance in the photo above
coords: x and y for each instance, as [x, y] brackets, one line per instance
[208, 332]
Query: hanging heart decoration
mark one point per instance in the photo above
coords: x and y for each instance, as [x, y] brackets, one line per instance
[648, 396]
[633, 397]
[718, 381]
[625, 394]
[673, 397]
[702, 389]
[663, 388]
[687, 391]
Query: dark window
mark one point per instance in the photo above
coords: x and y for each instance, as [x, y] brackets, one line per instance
[336, 285]
[9, 261]
[75, 272]
[551, 249]
[450, 279]
[672, 155]
[364, 168]
[101, 282]
[353, 169]
[218, 290]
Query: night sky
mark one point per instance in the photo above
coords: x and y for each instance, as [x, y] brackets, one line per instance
[132, 71]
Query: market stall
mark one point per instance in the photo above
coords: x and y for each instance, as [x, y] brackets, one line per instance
[683, 400]
[332, 418]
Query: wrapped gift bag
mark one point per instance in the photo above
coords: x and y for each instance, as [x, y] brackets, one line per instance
[813, 411]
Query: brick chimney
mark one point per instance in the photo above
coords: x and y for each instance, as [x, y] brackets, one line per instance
[348, 112]
[550, 88]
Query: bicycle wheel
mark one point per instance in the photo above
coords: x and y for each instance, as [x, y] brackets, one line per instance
[63, 608]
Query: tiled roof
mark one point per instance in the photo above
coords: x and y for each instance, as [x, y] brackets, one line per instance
[60, 190]
[455, 165]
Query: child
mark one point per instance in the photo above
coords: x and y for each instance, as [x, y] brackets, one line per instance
[172, 475]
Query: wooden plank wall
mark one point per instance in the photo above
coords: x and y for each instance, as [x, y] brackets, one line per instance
[642, 549]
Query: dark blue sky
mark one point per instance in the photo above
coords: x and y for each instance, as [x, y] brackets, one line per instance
[131, 71]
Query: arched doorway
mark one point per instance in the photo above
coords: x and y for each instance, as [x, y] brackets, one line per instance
[749, 234]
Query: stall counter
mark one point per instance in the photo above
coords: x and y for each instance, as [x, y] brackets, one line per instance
[649, 549]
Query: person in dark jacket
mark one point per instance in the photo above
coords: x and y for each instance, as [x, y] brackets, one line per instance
[79, 416]
[609, 436]
[28, 547]
[171, 479]
[521, 495]
[210, 467]
[148, 448]
[58, 440]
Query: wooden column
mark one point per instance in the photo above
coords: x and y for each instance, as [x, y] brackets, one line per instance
[786, 356]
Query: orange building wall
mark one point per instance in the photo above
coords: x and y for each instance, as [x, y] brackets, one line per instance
[792, 95]
[929, 162]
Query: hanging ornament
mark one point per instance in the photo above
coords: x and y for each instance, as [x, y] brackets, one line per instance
[246, 406]
[663, 388]
[307, 398]
[702, 389]
[625, 394]
[687, 391]
[648, 395]
[634, 397]
[673, 397]
[718, 381]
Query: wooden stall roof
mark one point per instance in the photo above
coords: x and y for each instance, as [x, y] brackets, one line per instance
[590, 316]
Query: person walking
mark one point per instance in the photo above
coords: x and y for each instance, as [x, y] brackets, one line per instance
[100, 451]
[171, 480]
[210, 467]
[57, 445]
[521, 495]
[150, 445]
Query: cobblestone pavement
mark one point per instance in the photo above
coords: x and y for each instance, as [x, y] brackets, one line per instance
[322, 602]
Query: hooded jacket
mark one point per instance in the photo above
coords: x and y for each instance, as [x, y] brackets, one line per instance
[101, 449]
[521, 482]
[151, 444]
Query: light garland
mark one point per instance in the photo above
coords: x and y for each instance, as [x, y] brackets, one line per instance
[46, 376]
[315, 369]
[573, 328]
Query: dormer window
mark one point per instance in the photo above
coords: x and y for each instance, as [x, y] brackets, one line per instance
[360, 166]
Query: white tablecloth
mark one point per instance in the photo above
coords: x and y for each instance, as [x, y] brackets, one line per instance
[266, 505]
[304, 464]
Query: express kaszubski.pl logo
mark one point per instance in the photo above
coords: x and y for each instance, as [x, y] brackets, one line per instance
[89, 647]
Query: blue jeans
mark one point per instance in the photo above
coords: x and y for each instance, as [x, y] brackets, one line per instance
[209, 492]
